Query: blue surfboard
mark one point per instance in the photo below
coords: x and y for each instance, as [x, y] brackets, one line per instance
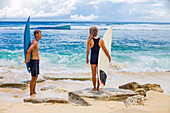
[27, 41]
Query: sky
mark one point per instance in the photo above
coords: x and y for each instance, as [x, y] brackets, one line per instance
[86, 10]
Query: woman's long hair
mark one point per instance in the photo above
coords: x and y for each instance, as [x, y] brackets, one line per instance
[93, 32]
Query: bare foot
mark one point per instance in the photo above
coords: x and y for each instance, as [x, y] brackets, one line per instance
[31, 94]
[93, 89]
[98, 89]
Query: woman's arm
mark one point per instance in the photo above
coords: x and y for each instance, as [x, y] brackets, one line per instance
[87, 53]
[105, 50]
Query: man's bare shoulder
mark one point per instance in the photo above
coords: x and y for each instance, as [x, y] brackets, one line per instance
[34, 42]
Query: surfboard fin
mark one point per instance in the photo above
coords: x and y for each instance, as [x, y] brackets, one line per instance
[103, 78]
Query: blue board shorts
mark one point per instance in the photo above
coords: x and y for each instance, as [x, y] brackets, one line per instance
[34, 67]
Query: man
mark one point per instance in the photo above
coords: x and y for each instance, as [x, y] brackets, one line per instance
[34, 62]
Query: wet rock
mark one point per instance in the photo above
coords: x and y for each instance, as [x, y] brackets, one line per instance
[140, 91]
[134, 86]
[32, 100]
[60, 90]
[76, 99]
[47, 88]
[57, 101]
[15, 96]
[46, 100]
[22, 86]
[1, 77]
[116, 67]
[154, 87]
[108, 94]
[38, 81]
[131, 86]
[60, 78]
[134, 100]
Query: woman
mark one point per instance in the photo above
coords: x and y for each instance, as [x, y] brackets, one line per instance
[94, 42]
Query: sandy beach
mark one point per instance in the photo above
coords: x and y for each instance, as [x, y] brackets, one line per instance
[61, 36]
[11, 100]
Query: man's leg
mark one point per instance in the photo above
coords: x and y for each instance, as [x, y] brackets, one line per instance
[35, 81]
[31, 86]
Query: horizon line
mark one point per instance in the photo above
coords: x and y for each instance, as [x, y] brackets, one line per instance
[84, 21]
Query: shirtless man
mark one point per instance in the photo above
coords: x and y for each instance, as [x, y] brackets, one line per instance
[34, 62]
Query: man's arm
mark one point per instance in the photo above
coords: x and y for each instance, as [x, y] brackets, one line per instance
[29, 51]
[105, 50]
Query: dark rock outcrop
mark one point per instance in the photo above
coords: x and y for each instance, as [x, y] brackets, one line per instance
[38, 81]
[108, 94]
[154, 87]
[47, 88]
[131, 86]
[46, 100]
[60, 78]
[22, 86]
[141, 89]
[76, 99]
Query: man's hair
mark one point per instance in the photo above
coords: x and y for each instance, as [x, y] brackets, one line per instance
[36, 31]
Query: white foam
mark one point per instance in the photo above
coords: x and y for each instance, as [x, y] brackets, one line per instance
[9, 51]
[101, 27]
[88, 27]
[146, 64]
[125, 27]
[12, 28]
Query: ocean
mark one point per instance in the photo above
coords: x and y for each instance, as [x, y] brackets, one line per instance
[136, 46]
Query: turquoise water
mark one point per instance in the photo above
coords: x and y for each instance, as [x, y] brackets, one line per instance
[136, 47]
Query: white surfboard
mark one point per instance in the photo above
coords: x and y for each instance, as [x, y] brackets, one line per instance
[103, 61]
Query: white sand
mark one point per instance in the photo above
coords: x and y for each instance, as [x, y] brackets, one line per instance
[156, 102]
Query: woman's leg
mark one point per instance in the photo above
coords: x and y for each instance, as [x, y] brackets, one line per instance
[93, 68]
[98, 84]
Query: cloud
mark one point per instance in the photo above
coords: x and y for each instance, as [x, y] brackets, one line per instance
[16, 12]
[3, 3]
[83, 18]
[153, 15]
[86, 10]
[115, 1]
[37, 8]
[131, 11]
[157, 5]
[96, 7]
[127, 1]
[158, 13]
